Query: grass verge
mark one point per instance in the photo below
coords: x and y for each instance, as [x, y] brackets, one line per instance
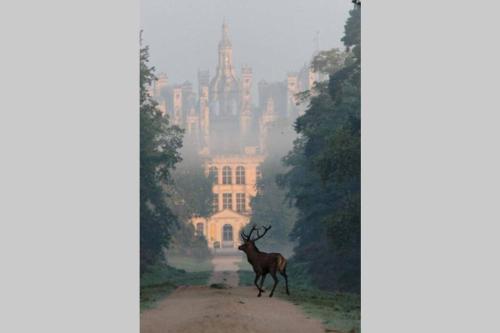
[339, 312]
[190, 264]
[162, 279]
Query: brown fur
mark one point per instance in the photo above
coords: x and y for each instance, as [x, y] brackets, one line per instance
[263, 263]
[281, 263]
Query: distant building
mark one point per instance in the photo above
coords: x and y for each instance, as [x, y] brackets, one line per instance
[230, 133]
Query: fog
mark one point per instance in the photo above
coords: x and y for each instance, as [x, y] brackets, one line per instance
[272, 37]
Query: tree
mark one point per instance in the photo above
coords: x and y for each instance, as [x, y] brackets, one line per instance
[329, 61]
[269, 206]
[323, 180]
[191, 196]
[192, 193]
[159, 144]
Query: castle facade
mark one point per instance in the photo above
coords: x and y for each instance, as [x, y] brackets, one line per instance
[230, 132]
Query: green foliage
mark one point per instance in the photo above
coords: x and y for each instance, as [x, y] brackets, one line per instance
[160, 280]
[269, 206]
[323, 179]
[191, 196]
[329, 61]
[192, 193]
[338, 311]
[159, 144]
[186, 243]
[190, 264]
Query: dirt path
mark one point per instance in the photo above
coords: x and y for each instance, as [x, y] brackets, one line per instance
[225, 270]
[235, 309]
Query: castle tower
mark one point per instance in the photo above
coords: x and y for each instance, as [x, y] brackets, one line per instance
[246, 100]
[224, 101]
[226, 53]
[203, 80]
[225, 111]
[224, 88]
[311, 78]
[193, 124]
[204, 112]
[263, 87]
[177, 102]
[162, 106]
[266, 121]
[204, 116]
[292, 90]
[160, 84]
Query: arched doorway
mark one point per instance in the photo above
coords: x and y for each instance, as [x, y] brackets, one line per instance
[199, 229]
[227, 236]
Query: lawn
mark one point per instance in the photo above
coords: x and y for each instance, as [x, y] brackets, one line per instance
[340, 312]
[190, 264]
[162, 279]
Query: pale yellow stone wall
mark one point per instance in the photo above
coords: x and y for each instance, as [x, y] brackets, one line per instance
[213, 226]
[250, 163]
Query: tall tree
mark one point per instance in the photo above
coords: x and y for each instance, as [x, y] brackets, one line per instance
[323, 181]
[269, 206]
[191, 196]
[159, 145]
[192, 193]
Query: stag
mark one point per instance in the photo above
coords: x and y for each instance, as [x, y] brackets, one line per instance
[263, 263]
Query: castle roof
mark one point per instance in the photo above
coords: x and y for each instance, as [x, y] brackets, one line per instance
[225, 42]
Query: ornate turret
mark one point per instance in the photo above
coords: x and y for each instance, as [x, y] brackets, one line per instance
[246, 100]
[224, 87]
[225, 102]
[225, 42]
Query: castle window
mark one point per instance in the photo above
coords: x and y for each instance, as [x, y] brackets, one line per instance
[227, 232]
[227, 201]
[258, 172]
[226, 175]
[214, 174]
[240, 175]
[199, 229]
[240, 202]
[215, 202]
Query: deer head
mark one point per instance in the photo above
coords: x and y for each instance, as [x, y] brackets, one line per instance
[249, 242]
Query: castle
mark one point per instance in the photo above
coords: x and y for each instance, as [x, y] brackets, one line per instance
[231, 133]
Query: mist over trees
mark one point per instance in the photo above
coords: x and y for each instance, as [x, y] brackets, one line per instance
[323, 179]
[190, 195]
[309, 188]
[270, 205]
[173, 184]
[159, 144]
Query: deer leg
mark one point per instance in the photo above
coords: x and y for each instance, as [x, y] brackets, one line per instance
[257, 276]
[262, 282]
[273, 275]
[286, 280]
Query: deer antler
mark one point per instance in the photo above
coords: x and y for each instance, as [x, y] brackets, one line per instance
[259, 236]
[247, 237]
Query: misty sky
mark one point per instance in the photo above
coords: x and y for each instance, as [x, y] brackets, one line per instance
[271, 36]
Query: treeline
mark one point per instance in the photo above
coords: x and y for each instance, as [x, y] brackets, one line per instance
[165, 208]
[311, 196]
[270, 206]
[190, 195]
[323, 179]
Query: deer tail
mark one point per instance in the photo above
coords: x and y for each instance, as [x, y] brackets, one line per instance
[281, 263]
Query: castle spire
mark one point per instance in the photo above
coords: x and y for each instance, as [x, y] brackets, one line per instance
[225, 42]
